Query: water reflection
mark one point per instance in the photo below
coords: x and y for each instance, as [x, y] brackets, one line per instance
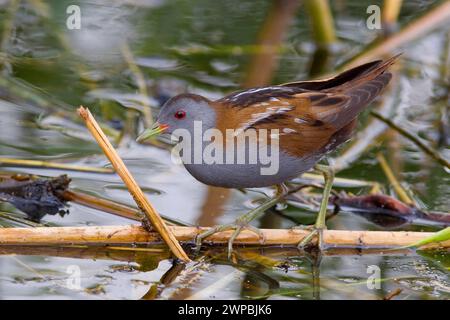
[270, 273]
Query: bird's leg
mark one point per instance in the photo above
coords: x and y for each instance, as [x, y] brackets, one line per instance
[320, 224]
[243, 221]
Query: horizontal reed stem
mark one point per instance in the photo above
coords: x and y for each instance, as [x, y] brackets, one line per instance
[134, 234]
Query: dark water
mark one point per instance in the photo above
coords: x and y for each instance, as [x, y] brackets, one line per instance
[203, 47]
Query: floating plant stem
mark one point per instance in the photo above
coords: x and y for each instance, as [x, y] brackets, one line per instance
[51, 165]
[17, 219]
[133, 234]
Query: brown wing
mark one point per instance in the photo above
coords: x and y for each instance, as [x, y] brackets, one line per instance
[311, 116]
[346, 95]
[302, 122]
[303, 125]
[255, 96]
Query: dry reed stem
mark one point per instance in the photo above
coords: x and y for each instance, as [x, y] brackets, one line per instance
[135, 234]
[105, 205]
[134, 189]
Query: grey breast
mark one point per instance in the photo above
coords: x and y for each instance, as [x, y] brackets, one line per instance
[251, 175]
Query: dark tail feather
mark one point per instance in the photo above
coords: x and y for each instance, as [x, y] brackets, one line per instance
[368, 75]
[361, 91]
[347, 78]
[360, 97]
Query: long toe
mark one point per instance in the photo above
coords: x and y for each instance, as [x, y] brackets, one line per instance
[202, 236]
[231, 240]
[237, 226]
[308, 240]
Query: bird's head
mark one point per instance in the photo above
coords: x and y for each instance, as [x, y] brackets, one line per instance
[181, 112]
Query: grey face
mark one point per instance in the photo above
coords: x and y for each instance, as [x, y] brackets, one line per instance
[181, 111]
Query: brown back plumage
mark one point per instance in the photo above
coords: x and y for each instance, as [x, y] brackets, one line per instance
[312, 116]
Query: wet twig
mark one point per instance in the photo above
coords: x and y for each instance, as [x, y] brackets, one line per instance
[111, 207]
[426, 149]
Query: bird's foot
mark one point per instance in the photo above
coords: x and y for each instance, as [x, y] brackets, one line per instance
[307, 241]
[240, 224]
[243, 222]
[320, 225]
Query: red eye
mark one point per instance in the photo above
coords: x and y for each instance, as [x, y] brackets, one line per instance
[180, 114]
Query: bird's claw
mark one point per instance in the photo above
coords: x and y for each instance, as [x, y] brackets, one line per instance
[307, 241]
[237, 226]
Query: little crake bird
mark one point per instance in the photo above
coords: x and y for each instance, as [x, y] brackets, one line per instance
[312, 118]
